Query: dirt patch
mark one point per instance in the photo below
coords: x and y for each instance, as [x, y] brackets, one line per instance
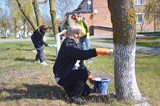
[102, 74]
[37, 87]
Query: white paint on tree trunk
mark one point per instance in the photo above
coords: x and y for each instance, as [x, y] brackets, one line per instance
[124, 71]
[57, 43]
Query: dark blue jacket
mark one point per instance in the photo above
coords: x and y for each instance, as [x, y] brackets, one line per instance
[61, 28]
[68, 55]
[67, 27]
[37, 38]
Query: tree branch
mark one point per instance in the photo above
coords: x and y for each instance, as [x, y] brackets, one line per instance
[41, 2]
[29, 19]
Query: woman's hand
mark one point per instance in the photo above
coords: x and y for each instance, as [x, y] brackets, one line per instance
[90, 78]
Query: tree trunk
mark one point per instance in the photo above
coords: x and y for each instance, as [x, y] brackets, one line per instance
[37, 11]
[25, 28]
[54, 25]
[29, 18]
[124, 35]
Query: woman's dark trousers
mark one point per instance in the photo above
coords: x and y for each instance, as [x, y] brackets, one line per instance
[39, 48]
[75, 84]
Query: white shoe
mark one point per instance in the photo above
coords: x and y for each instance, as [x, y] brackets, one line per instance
[34, 51]
[44, 63]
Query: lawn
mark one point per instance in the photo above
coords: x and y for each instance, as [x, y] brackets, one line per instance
[23, 82]
[148, 41]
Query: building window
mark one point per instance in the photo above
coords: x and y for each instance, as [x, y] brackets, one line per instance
[139, 18]
[89, 4]
[138, 2]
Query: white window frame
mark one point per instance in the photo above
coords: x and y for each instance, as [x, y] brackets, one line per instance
[138, 2]
[89, 2]
[137, 18]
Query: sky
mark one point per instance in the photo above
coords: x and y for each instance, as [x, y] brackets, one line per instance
[44, 8]
[4, 7]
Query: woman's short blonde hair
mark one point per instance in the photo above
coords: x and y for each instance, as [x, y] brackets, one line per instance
[73, 28]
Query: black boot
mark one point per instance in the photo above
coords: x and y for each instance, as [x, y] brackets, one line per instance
[78, 89]
[77, 92]
[87, 90]
[79, 101]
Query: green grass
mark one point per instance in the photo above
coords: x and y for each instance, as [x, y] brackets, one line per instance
[149, 41]
[17, 55]
[22, 79]
[9, 36]
[152, 41]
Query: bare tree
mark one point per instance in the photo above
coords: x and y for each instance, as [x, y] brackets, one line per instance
[124, 35]
[63, 6]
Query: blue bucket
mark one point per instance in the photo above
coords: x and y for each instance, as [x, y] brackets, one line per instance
[101, 85]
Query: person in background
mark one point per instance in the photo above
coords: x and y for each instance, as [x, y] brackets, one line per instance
[84, 39]
[67, 26]
[80, 15]
[1, 30]
[61, 28]
[20, 35]
[69, 69]
[66, 29]
[38, 41]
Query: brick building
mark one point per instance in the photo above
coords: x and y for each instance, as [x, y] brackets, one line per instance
[97, 15]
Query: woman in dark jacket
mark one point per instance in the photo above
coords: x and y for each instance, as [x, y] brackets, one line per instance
[69, 69]
[37, 39]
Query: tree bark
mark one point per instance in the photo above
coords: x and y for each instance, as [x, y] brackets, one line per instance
[54, 25]
[124, 36]
[41, 2]
[29, 18]
[53, 17]
[37, 11]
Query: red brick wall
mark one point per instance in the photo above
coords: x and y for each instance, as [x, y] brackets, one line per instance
[103, 17]
[146, 26]
[102, 31]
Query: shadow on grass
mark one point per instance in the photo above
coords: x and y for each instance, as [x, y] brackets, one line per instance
[98, 98]
[23, 59]
[5, 49]
[25, 49]
[37, 91]
[52, 59]
[30, 60]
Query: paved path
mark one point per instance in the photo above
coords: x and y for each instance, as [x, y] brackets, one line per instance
[108, 45]
[138, 49]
